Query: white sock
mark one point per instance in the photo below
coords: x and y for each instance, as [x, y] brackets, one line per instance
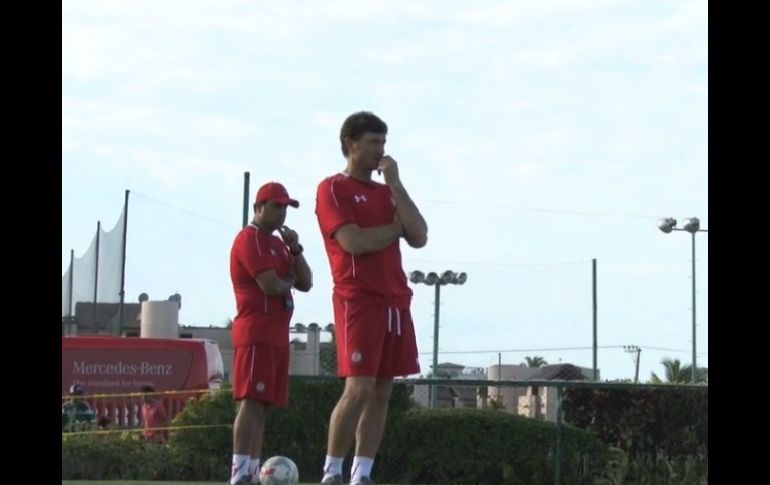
[333, 466]
[362, 467]
[254, 470]
[240, 468]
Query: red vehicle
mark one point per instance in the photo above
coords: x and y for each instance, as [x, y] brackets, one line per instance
[106, 366]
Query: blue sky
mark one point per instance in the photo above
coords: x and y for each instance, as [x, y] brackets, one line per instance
[534, 136]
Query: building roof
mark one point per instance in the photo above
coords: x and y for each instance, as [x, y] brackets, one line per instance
[560, 372]
[107, 315]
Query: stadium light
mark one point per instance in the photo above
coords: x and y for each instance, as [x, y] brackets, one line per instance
[433, 279]
[691, 225]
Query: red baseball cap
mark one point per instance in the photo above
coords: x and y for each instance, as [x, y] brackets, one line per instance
[277, 192]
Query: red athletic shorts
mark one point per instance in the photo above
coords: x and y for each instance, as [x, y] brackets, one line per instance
[374, 340]
[261, 372]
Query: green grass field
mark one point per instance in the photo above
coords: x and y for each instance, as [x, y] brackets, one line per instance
[129, 482]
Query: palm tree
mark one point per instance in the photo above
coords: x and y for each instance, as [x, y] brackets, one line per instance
[676, 373]
[535, 361]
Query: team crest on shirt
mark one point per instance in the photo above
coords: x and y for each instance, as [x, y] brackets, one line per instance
[272, 251]
[260, 386]
[356, 357]
[359, 198]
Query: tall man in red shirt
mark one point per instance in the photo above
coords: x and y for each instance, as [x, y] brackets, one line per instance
[361, 223]
[263, 268]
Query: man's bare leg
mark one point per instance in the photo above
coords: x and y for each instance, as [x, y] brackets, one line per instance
[248, 433]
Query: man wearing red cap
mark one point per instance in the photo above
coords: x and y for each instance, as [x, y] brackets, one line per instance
[361, 223]
[263, 268]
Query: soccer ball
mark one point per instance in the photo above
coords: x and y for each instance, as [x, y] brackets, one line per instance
[278, 470]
